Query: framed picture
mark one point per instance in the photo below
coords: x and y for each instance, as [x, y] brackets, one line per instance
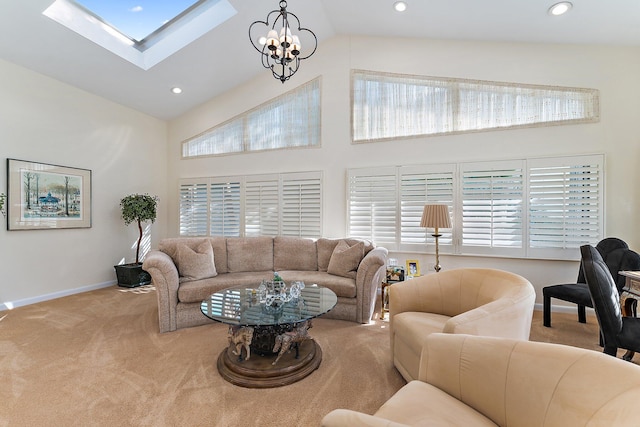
[43, 196]
[395, 273]
[413, 267]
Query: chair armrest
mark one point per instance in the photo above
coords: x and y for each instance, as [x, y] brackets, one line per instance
[347, 418]
[371, 271]
[508, 317]
[164, 276]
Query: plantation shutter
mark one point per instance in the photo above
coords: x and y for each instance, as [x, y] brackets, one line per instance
[225, 208]
[194, 212]
[262, 206]
[372, 205]
[301, 205]
[565, 204]
[492, 214]
[420, 185]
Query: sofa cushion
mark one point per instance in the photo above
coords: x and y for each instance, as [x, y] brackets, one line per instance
[199, 290]
[294, 253]
[219, 244]
[326, 247]
[345, 259]
[196, 263]
[250, 254]
[342, 286]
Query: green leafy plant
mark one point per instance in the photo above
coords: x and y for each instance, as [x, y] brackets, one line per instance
[139, 208]
[3, 197]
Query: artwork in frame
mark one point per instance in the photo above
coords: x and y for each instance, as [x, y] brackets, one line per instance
[413, 267]
[43, 196]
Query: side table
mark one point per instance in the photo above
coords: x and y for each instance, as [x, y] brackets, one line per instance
[384, 299]
[629, 299]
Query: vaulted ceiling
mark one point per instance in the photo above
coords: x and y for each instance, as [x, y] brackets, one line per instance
[223, 58]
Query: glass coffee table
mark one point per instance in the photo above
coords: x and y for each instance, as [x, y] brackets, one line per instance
[269, 346]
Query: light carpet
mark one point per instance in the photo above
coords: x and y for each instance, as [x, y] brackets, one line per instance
[97, 359]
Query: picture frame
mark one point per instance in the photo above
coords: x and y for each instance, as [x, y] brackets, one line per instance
[395, 273]
[42, 196]
[413, 268]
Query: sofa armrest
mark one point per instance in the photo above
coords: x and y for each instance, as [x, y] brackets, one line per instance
[347, 418]
[371, 272]
[164, 276]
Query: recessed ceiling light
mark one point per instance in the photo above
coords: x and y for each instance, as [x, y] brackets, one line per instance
[176, 90]
[560, 8]
[400, 6]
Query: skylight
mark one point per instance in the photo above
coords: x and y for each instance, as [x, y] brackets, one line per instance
[142, 32]
[136, 18]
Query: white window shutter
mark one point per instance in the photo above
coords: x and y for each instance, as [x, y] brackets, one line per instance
[194, 212]
[262, 207]
[421, 185]
[301, 205]
[492, 212]
[565, 204]
[225, 208]
[372, 205]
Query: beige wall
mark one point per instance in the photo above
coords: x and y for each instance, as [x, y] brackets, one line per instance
[46, 121]
[612, 70]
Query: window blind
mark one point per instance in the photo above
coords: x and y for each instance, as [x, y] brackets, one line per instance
[385, 106]
[258, 205]
[194, 211]
[492, 199]
[565, 206]
[372, 201]
[535, 208]
[291, 120]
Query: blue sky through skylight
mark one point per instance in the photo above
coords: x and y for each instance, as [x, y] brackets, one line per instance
[137, 18]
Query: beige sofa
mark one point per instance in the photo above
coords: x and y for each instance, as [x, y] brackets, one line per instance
[186, 270]
[475, 301]
[468, 380]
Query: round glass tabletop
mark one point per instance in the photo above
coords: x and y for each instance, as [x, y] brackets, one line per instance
[241, 306]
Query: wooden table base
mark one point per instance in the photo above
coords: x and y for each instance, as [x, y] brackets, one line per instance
[258, 371]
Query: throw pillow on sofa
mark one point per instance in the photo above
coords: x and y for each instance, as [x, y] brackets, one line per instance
[196, 264]
[345, 259]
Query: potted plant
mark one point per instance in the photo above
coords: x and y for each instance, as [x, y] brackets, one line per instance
[136, 208]
[3, 197]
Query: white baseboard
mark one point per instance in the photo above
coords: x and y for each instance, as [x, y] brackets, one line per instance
[40, 298]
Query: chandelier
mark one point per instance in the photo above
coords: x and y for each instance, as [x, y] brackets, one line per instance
[280, 48]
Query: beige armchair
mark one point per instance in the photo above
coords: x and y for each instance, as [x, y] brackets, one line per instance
[467, 380]
[475, 301]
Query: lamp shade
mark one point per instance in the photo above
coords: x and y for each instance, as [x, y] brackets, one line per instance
[435, 216]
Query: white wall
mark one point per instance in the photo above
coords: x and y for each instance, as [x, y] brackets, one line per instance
[46, 121]
[612, 70]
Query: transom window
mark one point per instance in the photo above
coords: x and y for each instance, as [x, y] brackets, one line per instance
[530, 208]
[386, 106]
[288, 121]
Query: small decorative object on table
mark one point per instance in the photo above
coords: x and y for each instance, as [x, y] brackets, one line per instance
[275, 293]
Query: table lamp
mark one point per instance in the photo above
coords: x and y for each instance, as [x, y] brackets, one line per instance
[436, 216]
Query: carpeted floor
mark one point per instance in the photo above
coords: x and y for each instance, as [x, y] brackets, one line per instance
[97, 359]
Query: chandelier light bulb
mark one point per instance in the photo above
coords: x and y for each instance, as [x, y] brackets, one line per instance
[295, 46]
[285, 37]
[272, 40]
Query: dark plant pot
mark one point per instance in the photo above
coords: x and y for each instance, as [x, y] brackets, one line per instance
[132, 275]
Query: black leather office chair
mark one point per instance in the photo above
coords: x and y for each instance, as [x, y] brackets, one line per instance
[611, 250]
[616, 331]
